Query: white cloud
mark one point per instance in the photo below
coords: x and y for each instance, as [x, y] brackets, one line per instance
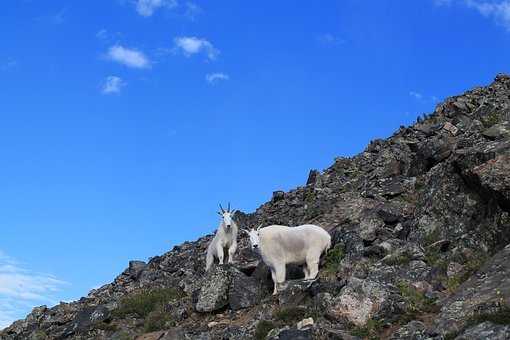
[112, 85]
[147, 8]
[423, 98]
[329, 39]
[213, 78]
[416, 95]
[194, 45]
[498, 10]
[193, 11]
[102, 34]
[21, 289]
[129, 57]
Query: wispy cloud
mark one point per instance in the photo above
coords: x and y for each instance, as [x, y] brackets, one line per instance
[193, 45]
[21, 289]
[146, 8]
[112, 85]
[8, 64]
[416, 95]
[193, 11]
[128, 57]
[329, 39]
[213, 78]
[102, 34]
[55, 18]
[498, 10]
[423, 98]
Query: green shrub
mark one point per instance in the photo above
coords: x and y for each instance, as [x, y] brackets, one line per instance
[470, 267]
[333, 259]
[290, 314]
[39, 335]
[157, 320]
[491, 119]
[500, 317]
[143, 303]
[369, 331]
[398, 259]
[417, 301]
[263, 328]
[106, 326]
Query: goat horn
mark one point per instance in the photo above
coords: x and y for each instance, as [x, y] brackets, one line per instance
[228, 209]
[222, 208]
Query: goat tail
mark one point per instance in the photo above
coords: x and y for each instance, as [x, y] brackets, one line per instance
[209, 261]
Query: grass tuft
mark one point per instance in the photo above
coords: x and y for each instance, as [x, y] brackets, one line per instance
[263, 328]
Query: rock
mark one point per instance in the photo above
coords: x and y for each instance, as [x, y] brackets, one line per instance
[422, 287]
[487, 331]
[278, 195]
[151, 336]
[454, 269]
[244, 291]
[135, 268]
[295, 292]
[451, 128]
[493, 177]
[489, 287]
[290, 334]
[359, 301]
[305, 323]
[369, 226]
[313, 177]
[498, 131]
[214, 295]
[414, 330]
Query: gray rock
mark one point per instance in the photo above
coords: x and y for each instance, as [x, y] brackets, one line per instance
[487, 331]
[414, 330]
[489, 287]
[213, 295]
[498, 131]
[244, 291]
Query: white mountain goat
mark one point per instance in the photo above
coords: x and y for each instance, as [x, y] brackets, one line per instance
[280, 245]
[226, 237]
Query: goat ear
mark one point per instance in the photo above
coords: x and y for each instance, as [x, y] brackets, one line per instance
[219, 213]
[233, 212]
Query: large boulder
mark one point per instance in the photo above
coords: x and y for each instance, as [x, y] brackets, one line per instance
[213, 295]
[359, 301]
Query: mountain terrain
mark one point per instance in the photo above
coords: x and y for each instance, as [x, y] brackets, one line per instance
[421, 250]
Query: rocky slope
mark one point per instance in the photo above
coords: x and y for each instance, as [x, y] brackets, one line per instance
[421, 230]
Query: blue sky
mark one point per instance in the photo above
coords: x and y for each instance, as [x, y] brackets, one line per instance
[124, 123]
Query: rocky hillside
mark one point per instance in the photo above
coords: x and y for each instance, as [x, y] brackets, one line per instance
[421, 230]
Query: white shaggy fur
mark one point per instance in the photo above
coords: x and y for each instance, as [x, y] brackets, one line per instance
[280, 245]
[226, 237]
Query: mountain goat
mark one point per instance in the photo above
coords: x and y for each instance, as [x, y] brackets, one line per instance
[280, 245]
[225, 237]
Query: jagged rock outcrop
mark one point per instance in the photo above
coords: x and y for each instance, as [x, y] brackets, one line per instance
[420, 224]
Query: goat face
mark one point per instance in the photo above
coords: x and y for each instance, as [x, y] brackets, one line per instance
[227, 220]
[254, 239]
